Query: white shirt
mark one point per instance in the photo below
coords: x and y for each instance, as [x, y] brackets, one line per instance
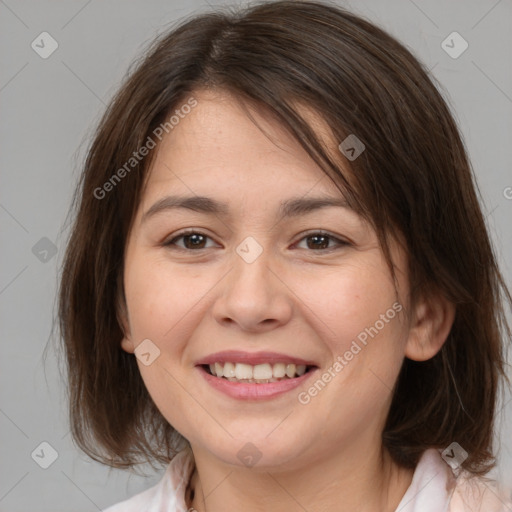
[434, 488]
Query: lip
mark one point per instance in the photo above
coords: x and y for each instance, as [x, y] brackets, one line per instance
[254, 358]
[246, 391]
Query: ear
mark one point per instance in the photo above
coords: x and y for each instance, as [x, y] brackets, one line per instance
[127, 345]
[122, 318]
[431, 322]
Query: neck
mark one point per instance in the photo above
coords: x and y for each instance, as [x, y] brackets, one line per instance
[343, 482]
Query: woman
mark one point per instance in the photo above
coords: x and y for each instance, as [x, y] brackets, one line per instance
[279, 282]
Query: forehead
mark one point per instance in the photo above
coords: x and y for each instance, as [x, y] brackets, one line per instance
[218, 147]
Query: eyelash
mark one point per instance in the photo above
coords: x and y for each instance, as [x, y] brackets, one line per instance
[340, 243]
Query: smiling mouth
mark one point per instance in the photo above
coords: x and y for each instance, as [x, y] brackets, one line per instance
[256, 374]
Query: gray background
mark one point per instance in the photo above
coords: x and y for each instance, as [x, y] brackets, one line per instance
[48, 110]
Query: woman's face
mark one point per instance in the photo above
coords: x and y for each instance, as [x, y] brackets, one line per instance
[270, 278]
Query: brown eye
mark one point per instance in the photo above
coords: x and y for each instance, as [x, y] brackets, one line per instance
[191, 240]
[320, 242]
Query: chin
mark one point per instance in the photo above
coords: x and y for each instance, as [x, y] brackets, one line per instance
[260, 452]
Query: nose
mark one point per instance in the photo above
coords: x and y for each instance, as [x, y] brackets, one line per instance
[253, 297]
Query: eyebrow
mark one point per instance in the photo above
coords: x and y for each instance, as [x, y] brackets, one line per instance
[293, 207]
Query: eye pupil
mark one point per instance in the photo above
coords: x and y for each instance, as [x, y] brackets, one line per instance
[316, 239]
[197, 240]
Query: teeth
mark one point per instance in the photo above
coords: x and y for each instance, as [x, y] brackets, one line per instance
[243, 371]
[279, 370]
[229, 370]
[260, 373]
[219, 369]
[290, 370]
[301, 369]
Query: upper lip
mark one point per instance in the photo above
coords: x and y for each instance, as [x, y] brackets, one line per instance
[252, 358]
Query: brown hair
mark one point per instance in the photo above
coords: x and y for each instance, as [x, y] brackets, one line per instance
[413, 179]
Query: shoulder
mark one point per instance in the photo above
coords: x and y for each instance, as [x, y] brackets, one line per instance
[477, 494]
[168, 494]
[437, 487]
[141, 502]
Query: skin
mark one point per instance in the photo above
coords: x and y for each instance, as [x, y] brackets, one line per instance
[294, 298]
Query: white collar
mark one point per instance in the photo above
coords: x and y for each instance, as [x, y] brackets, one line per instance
[434, 488]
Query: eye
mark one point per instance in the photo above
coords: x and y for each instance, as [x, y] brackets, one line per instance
[191, 239]
[319, 241]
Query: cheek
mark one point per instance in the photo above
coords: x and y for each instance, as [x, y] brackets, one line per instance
[347, 302]
[359, 319]
[161, 304]
[159, 297]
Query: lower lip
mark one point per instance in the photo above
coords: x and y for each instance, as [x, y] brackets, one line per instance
[247, 391]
